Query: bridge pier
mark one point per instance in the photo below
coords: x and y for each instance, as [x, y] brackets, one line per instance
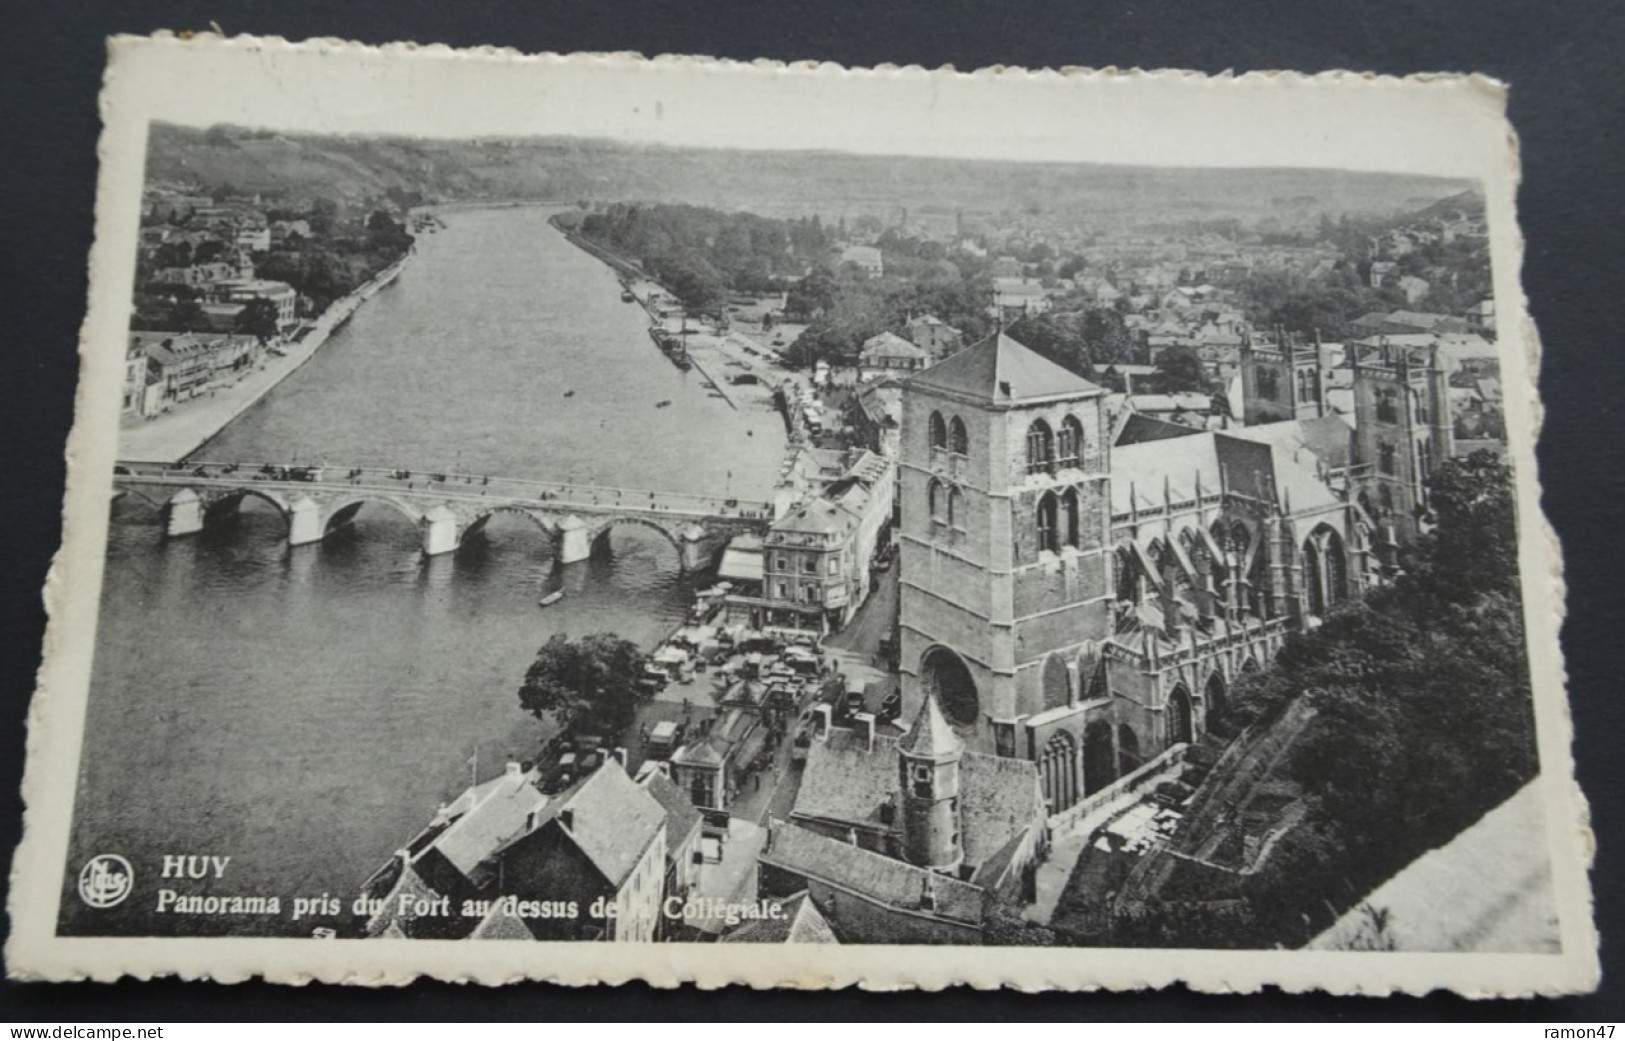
[184, 514]
[305, 522]
[439, 527]
[574, 540]
[695, 548]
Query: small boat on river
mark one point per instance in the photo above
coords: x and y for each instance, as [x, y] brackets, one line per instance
[550, 599]
[663, 404]
[569, 393]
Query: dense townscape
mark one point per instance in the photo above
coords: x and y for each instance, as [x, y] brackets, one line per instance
[1131, 580]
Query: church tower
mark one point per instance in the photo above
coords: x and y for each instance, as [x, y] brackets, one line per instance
[1402, 431]
[928, 775]
[1005, 536]
[1281, 381]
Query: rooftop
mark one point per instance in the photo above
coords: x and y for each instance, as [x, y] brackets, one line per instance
[611, 819]
[802, 923]
[487, 815]
[845, 782]
[930, 736]
[1001, 371]
[892, 882]
[890, 345]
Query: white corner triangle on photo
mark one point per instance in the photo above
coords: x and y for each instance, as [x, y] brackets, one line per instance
[1052, 531]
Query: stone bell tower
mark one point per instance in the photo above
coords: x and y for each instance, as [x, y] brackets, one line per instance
[1003, 471]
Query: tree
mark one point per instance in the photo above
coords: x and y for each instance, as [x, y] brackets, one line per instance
[259, 319]
[589, 683]
[1180, 370]
[186, 315]
[1474, 548]
[1422, 709]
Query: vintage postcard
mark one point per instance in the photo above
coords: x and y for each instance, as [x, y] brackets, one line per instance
[587, 518]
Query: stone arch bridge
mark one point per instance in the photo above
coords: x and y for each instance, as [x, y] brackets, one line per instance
[446, 508]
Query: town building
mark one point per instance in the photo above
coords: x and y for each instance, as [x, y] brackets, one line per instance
[911, 839]
[1005, 267]
[709, 767]
[887, 354]
[877, 415]
[181, 366]
[599, 843]
[451, 857]
[866, 258]
[683, 826]
[1015, 297]
[1086, 605]
[1414, 289]
[504, 861]
[816, 558]
[799, 921]
[1377, 323]
[135, 380]
[254, 238]
[177, 363]
[244, 290]
[201, 275]
[933, 335]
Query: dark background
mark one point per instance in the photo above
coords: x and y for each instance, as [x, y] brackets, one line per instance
[1563, 60]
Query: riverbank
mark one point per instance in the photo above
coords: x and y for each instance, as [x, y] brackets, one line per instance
[174, 435]
[711, 351]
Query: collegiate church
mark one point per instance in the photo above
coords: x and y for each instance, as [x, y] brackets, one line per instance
[1082, 593]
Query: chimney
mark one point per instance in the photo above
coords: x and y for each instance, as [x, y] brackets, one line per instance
[928, 892]
[620, 757]
[567, 817]
[512, 770]
[866, 726]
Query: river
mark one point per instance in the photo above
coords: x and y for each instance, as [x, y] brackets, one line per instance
[304, 711]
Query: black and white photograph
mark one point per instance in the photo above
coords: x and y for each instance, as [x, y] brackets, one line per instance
[675, 539]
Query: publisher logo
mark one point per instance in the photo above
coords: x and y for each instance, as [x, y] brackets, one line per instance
[106, 880]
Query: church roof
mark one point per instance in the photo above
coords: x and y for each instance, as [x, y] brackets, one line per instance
[930, 736]
[1001, 371]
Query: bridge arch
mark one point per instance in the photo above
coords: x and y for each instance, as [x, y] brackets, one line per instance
[344, 512]
[603, 530]
[215, 506]
[548, 527]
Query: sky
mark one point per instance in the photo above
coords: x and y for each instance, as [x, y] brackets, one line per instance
[1446, 127]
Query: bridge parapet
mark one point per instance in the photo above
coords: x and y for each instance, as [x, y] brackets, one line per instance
[316, 501]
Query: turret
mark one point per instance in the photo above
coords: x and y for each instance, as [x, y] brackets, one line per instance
[928, 774]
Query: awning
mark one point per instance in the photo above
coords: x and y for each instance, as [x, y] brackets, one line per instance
[671, 656]
[741, 565]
